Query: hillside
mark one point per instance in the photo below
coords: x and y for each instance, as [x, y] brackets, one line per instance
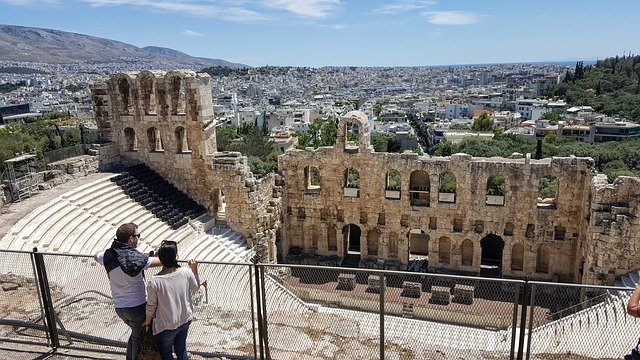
[20, 43]
[611, 86]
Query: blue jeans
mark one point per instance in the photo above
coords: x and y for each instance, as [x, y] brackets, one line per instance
[176, 339]
[134, 318]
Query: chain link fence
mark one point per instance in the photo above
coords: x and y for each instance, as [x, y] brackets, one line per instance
[251, 311]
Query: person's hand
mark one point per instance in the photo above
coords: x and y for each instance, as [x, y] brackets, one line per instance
[193, 265]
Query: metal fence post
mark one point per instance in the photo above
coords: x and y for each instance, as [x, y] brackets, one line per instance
[254, 260]
[382, 288]
[253, 315]
[523, 320]
[532, 307]
[514, 323]
[43, 283]
[265, 332]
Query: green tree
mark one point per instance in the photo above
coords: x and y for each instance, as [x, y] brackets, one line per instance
[224, 137]
[483, 122]
[377, 109]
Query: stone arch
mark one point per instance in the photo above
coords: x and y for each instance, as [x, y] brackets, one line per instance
[356, 124]
[148, 93]
[312, 178]
[154, 139]
[332, 241]
[508, 228]
[125, 95]
[182, 143]
[131, 140]
[177, 93]
[542, 259]
[313, 233]
[547, 192]
[447, 187]
[392, 245]
[496, 189]
[373, 241]
[467, 253]
[444, 250]
[351, 182]
[351, 238]
[517, 257]
[393, 183]
[419, 187]
[218, 203]
[418, 243]
[491, 255]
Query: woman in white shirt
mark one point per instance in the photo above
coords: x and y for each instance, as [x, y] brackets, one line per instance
[169, 302]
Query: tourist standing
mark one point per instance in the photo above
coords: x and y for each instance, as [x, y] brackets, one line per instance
[125, 268]
[170, 303]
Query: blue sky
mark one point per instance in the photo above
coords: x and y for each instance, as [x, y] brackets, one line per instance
[351, 32]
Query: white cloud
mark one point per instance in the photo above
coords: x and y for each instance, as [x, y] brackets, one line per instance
[306, 8]
[31, 2]
[452, 17]
[236, 14]
[403, 6]
[191, 33]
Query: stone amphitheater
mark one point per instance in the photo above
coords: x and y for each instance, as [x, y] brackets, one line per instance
[160, 168]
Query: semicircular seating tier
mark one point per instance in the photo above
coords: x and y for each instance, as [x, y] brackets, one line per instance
[84, 221]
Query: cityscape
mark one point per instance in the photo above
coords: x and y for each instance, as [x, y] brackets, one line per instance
[404, 179]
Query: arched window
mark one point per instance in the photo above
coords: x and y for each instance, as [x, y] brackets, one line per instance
[126, 103]
[542, 261]
[467, 253]
[131, 140]
[373, 238]
[517, 257]
[444, 250]
[312, 178]
[419, 188]
[393, 182]
[547, 192]
[393, 245]
[351, 183]
[178, 95]
[154, 139]
[447, 188]
[352, 135]
[148, 92]
[496, 189]
[181, 140]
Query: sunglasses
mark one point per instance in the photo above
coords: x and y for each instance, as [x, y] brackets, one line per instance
[136, 235]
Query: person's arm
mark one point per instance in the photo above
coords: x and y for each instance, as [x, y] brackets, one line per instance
[99, 257]
[633, 306]
[194, 281]
[152, 302]
[155, 262]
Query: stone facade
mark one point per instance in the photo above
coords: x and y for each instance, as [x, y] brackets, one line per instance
[165, 120]
[386, 209]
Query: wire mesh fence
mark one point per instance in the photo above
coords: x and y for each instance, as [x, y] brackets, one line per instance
[248, 311]
[580, 322]
[21, 315]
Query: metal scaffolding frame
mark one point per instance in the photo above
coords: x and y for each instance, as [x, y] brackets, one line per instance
[20, 172]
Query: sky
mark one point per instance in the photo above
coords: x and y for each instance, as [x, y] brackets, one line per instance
[320, 33]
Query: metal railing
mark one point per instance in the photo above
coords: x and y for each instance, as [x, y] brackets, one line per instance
[275, 311]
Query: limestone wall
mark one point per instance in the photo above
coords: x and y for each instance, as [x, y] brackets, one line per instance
[612, 246]
[165, 120]
[314, 218]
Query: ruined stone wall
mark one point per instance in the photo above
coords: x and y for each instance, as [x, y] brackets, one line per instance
[314, 218]
[612, 246]
[165, 120]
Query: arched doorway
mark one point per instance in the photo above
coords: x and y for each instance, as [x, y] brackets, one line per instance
[491, 259]
[351, 245]
[351, 238]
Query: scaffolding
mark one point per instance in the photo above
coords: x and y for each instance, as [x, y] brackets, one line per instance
[20, 176]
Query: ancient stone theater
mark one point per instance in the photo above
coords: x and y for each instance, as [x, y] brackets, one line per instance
[350, 204]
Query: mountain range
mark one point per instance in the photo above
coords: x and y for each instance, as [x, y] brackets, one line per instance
[21, 43]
